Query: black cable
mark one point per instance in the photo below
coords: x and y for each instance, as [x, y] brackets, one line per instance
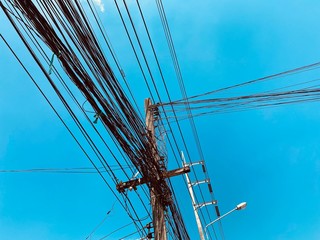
[183, 91]
[4, 9]
[100, 224]
[118, 229]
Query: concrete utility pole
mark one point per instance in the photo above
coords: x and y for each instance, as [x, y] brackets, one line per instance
[195, 208]
[156, 198]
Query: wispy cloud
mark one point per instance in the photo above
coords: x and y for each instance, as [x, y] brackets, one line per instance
[100, 4]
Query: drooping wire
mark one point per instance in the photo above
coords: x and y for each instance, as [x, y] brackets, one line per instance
[100, 224]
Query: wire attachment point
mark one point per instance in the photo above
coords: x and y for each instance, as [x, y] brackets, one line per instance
[96, 116]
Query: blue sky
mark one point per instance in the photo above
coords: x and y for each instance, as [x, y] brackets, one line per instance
[267, 157]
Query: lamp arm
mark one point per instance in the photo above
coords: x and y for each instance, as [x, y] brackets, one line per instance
[221, 217]
[205, 229]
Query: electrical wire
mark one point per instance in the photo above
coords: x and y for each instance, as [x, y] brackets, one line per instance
[116, 230]
[60, 170]
[41, 90]
[100, 224]
[129, 132]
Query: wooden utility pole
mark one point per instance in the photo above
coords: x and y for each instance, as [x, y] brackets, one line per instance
[157, 198]
[159, 223]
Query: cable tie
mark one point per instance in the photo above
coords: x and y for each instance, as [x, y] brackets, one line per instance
[96, 116]
[51, 63]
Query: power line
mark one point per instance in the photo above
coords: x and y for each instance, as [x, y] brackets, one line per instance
[100, 224]
[104, 94]
[254, 101]
[4, 9]
[62, 170]
[184, 94]
[82, 109]
[116, 230]
[297, 70]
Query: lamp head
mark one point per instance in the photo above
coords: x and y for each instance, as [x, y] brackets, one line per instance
[241, 206]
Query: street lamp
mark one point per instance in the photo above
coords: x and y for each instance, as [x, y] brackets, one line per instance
[240, 206]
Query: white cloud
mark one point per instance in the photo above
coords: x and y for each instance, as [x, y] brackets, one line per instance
[100, 4]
